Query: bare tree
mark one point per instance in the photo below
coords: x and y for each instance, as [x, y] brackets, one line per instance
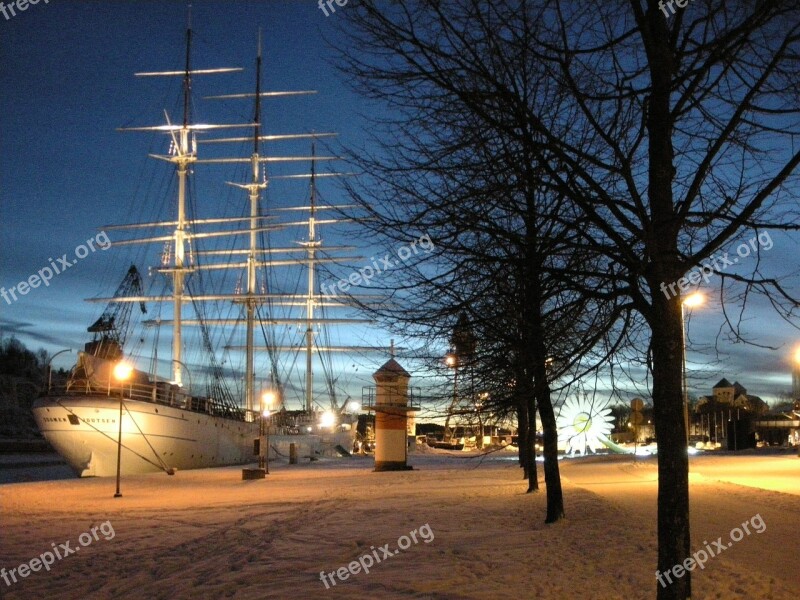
[661, 143]
[506, 241]
[669, 129]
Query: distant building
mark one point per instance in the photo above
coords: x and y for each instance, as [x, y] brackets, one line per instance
[780, 426]
[730, 412]
[726, 415]
[727, 396]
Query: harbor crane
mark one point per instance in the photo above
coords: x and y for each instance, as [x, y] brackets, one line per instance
[111, 329]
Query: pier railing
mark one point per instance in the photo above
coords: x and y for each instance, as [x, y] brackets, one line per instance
[391, 397]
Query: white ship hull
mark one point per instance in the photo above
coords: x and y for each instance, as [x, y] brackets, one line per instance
[155, 437]
[84, 430]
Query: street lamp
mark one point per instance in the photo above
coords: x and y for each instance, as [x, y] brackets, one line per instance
[796, 387]
[267, 402]
[327, 419]
[482, 397]
[451, 360]
[692, 300]
[50, 367]
[122, 372]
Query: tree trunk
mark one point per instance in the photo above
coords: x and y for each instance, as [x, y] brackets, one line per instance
[522, 436]
[538, 355]
[664, 316]
[533, 471]
[541, 393]
[552, 476]
[674, 543]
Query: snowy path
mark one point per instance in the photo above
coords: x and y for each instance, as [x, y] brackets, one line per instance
[751, 567]
[207, 534]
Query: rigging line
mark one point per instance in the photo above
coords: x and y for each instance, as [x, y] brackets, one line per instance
[279, 453]
[158, 458]
[239, 382]
[327, 372]
[218, 383]
[241, 209]
[157, 337]
[229, 244]
[271, 352]
[299, 346]
[269, 334]
[103, 433]
[326, 359]
[135, 207]
[290, 368]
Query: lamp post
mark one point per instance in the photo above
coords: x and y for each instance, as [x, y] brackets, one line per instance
[267, 401]
[482, 397]
[451, 360]
[122, 372]
[692, 300]
[463, 344]
[50, 367]
[796, 388]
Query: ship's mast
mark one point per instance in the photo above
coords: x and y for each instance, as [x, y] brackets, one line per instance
[254, 190]
[257, 182]
[182, 158]
[181, 232]
[311, 247]
[183, 153]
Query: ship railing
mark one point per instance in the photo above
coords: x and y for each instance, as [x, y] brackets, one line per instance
[160, 392]
[277, 421]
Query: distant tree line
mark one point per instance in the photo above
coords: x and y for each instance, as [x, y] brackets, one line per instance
[17, 360]
[22, 379]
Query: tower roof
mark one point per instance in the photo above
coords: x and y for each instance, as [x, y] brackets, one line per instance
[392, 367]
[722, 383]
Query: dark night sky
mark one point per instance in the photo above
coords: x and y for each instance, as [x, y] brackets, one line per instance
[66, 84]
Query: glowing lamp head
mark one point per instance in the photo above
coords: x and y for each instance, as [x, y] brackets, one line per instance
[797, 356]
[354, 406]
[122, 371]
[450, 359]
[327, 419]
[693, 300]
[268, 400]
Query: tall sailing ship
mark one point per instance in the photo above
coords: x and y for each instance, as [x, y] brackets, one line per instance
[162, 423]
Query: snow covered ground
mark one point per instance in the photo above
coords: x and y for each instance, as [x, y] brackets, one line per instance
[208, 534]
